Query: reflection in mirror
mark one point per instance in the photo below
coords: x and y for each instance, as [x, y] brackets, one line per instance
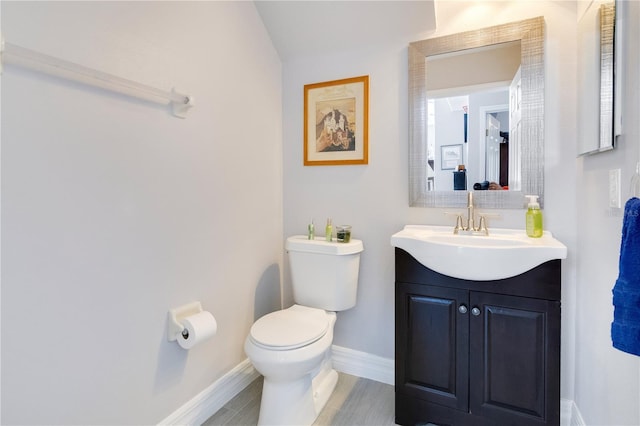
[477, 81]
[479, 124]
[471, 110]
[596, 77]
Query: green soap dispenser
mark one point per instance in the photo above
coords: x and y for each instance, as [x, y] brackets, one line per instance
[534, 217]
[311, 231]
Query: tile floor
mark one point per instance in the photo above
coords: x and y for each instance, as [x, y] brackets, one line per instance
[356, 401]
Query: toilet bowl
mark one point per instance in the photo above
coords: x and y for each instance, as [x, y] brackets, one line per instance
[292, 350]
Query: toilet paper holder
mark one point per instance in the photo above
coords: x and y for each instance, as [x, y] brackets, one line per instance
[176, 315]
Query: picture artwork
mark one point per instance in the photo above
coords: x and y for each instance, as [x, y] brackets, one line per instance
[336, 122]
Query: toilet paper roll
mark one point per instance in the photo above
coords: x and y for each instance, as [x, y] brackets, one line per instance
[197, 328]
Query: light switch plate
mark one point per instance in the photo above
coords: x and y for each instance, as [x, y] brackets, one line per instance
[614, 188]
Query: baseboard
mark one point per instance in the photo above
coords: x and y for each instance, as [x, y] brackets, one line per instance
[576, 417]
[569, 414]
[565, 412]
[214, 397]
[345, 360]
[362, 364]
[197, 410]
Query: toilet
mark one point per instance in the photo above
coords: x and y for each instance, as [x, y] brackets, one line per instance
[291, 348]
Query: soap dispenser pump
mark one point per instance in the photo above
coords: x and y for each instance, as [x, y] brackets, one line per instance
[534, 217]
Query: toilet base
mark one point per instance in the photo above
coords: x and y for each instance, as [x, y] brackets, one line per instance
[323, 387]
[300, 401]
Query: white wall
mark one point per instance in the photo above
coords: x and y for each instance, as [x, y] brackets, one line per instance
[374, 198]
[607, 390]
[114, 211]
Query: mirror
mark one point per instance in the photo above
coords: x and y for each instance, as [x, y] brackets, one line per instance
[526, 133]
[596, 78]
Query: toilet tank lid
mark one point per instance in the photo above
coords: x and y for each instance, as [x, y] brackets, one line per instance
[301, 243]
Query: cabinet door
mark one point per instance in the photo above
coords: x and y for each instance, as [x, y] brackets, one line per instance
[514, 359]
[432, 344]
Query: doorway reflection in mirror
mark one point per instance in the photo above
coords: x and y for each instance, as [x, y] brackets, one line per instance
[481, 121]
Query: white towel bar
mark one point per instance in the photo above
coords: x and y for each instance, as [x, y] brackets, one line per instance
[20, 56]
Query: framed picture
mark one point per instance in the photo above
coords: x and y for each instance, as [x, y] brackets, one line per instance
[451, 156]
[336, 122]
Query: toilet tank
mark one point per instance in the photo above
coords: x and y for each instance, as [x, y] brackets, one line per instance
[324, 274]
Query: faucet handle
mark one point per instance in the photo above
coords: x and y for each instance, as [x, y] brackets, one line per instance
[482, 226]
[459, 225]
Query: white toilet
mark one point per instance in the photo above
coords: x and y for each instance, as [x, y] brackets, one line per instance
[291, 348]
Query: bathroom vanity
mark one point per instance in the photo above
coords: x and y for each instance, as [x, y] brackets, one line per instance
[477, 352]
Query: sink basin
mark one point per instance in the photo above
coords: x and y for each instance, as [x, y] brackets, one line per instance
[502, 254]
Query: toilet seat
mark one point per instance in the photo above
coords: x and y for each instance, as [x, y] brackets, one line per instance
[290, 328]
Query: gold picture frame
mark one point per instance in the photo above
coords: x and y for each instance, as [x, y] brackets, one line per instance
[336, 122]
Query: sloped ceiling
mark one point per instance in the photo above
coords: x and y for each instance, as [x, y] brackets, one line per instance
[300, 28]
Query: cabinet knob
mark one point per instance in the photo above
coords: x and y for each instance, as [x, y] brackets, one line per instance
[462, 309]
[475, 311]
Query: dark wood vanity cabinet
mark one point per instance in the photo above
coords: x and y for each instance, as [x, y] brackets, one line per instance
[477, 352]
